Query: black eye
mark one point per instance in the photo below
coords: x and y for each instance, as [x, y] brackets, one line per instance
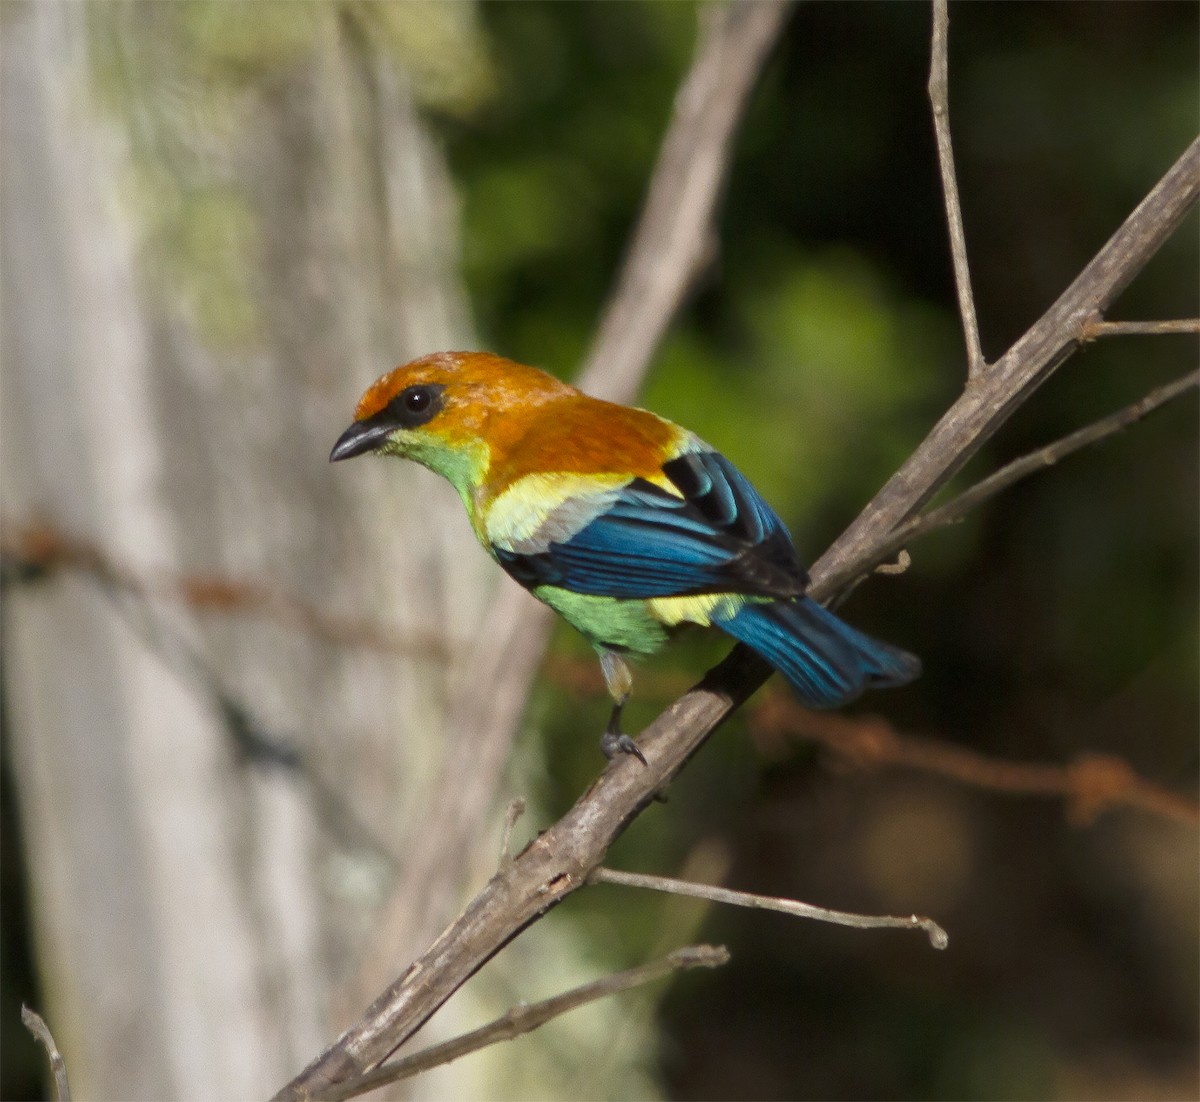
[416, 405]
[416, 399]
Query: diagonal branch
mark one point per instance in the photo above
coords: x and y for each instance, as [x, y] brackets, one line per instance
[939, 99]
[525, 1019]
[676, 234]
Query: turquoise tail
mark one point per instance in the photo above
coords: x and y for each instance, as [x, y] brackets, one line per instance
[827, 661]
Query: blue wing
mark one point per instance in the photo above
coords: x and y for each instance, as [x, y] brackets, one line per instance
[719, 537]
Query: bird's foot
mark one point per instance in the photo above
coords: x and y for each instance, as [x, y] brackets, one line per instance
[613, 743]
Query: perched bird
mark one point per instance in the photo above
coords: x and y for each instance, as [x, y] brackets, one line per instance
[624, 523]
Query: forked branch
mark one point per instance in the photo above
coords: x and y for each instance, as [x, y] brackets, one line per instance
[1011, 473]
[985, 406]
[525, 1019]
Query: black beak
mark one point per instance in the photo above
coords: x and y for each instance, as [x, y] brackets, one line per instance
[362, 436]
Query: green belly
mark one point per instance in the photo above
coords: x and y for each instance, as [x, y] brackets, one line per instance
[625, 625]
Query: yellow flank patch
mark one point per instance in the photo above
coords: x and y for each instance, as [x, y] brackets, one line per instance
[522, 509]
[673, 611]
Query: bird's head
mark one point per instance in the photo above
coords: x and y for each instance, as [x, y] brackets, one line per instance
[447, 411]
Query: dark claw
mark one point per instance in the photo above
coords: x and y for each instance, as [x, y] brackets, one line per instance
[614, 743]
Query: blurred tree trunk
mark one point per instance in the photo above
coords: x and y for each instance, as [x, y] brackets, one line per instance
[200, 273]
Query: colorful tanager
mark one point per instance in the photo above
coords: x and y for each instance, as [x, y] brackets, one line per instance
[624, 523]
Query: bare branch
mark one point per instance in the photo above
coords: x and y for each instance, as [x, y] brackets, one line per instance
[41, 546]
[675, 236]
[1018, 469]
[1095, 329]
[939, 98]
[34, 550]
[36, 1025]
[1089, 785]
[938, 937]
[524, 1019]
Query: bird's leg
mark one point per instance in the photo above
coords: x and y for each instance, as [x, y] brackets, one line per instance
[614, 741]
[619, 680]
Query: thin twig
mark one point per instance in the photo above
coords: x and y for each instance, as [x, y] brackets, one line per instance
[514, 811]
[938, 937]
[36, 1025]
[1088, 786]
[1018, 469]
[524, 1019]
[939, 98]
[43, 547]
[1094, 329]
